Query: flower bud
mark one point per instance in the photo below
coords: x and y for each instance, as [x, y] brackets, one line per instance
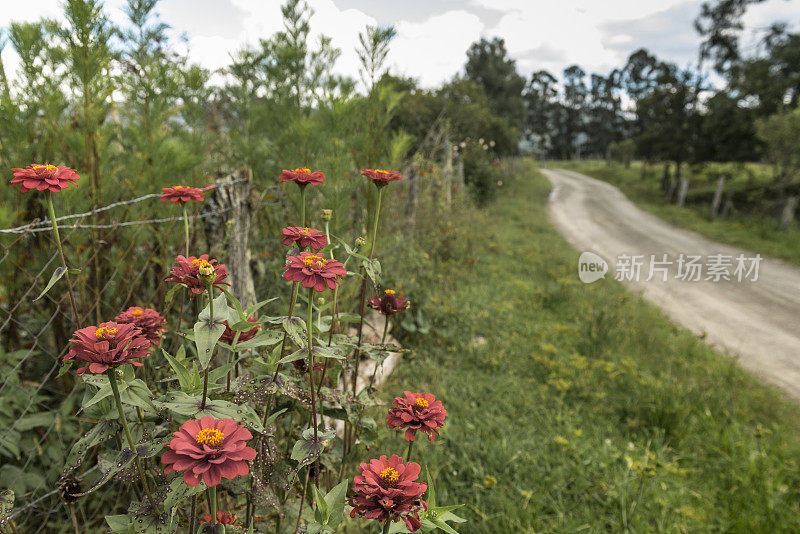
[327, 215]
[360, 242]
[205, 273]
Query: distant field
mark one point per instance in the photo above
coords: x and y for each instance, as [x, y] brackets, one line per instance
[580, 408]
[753, 231]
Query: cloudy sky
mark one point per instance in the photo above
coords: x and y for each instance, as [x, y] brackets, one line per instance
[433, 35]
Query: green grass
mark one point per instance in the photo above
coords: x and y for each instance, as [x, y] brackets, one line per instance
[753, 231]
[585, 409]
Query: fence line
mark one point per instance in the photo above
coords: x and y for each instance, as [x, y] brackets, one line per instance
[35, 226]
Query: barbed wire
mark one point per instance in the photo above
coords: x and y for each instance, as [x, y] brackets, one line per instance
[45, 225]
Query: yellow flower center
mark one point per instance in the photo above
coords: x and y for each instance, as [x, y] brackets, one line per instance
[302, 169]
[304, 231]
[47, 168]
[104, 332]
[390, 292]
[137, 311]
[420, 402]
[314, 261]
[209, 436]
[180, 187]
[390, 475]
[383, 171]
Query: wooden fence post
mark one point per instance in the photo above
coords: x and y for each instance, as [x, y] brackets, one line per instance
[447, 171]
[230, 211]
[788, 211]
[717, 200]
[683, 189]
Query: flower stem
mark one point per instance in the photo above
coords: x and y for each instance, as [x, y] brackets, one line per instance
[210, 289]
[408, 453]
[52, 212]
[387, 527]
[232, 358]
[295, 291]
[212, 503]
[364, 299]
[310, 326]
[303, 204]
[112, 379]
[186, 228]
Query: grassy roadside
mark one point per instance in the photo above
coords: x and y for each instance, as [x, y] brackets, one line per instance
[757, 233]
[575, 408]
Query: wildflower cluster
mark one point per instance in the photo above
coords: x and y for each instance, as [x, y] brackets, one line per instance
[231, 405]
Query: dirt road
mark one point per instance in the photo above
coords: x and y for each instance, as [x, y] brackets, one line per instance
[758, 321]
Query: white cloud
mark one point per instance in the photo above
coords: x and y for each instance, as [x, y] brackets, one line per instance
[434, 50]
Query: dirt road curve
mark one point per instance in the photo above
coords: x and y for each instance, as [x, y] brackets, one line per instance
[758, 321]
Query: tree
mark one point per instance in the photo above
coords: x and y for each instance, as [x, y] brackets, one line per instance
[489, 66]
[374, 43]
[541, 101]
[780, 133]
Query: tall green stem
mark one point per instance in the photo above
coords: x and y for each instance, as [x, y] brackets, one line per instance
[387, 527]
[303, 205]
[210, 289]
[410, 448]
[212, 504]
[186, 228]
[112, 379]
[310, 326]
[364, 288]
[52, 212]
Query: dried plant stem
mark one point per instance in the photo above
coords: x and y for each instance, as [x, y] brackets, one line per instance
[57, 238]
[112, 379]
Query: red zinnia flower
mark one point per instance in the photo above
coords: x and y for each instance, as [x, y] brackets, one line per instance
[385, 491]
[182, 193]
[305, 237]
[302, 176]
[314, 270]
[187, 272]
[44, 178]
[390, 303]
[108, 345]
[147, 320]
[223, 518]
[228, 334]
[417, 411]
[209, 449]
[380, 176]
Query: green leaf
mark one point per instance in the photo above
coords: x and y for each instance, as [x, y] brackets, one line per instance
[185, 378]
[108, 465]
[206, 336]
[321, 512]
[222, 312]
[337, 353]
[296, 355]
[255, 307]
[335, 500]
[243, 414]
[6, 505]
[120, 524]
[178, 491]
[295, 327]
[57, 274]
[263, 339]
[373, 269]
[171, 295]
[100, 432]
